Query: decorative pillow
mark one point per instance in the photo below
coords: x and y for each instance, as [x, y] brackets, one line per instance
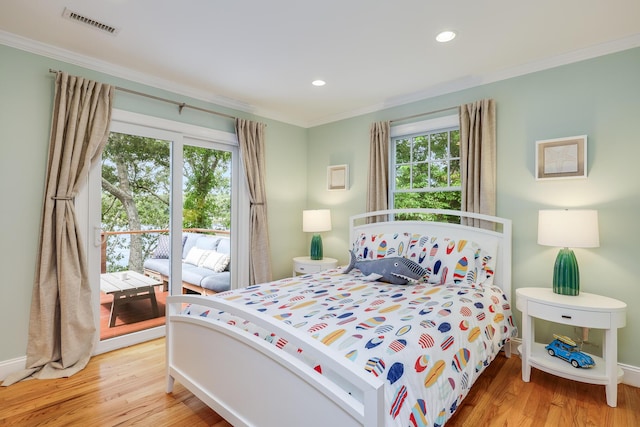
[447, 260]
[196, 256]
[164, 247]
[376, 246]
[207, 242]
[418, 249]
[215, 261]
[486, 265]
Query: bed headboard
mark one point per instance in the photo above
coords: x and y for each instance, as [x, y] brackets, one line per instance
[495, 232]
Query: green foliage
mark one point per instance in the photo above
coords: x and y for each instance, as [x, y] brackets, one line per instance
[135, 182]
[433, 200]
[207, 188]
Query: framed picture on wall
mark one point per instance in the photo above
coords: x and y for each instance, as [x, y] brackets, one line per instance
[338, 177]
[561, 158]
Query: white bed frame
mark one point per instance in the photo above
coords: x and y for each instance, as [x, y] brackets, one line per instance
[253, 383]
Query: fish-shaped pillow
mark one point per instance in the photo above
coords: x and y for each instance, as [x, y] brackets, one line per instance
[395, 270]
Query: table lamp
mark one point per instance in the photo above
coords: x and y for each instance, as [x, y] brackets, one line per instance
[567, 229]
[316, 221]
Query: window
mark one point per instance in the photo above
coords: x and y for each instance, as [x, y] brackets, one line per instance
[425, 165]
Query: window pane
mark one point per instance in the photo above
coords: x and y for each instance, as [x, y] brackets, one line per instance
[137, 170]
[421, 175]
[403, 151]
[449, 200]
[420, 148]
[439, 176]
[403, 177]
[455, 143]
[207, 188]
[408, 200]
[440, 145]
[454, 172]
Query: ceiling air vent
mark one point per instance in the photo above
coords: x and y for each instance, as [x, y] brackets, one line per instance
[69, 14]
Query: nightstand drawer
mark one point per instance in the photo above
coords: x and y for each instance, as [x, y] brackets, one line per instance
[308, 269]
[306, 265]
[569, 316]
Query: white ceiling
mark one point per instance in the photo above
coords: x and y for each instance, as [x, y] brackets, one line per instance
[260, 56]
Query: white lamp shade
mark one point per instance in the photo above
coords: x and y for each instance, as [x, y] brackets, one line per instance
[315, 221]
[568, 228]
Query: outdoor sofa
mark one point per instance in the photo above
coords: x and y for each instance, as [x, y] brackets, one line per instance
[206, 266]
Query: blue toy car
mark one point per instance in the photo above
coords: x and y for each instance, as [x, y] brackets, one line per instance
[565, 348]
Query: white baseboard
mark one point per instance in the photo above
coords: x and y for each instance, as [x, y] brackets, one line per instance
[515, 343]
[631, 373]
[12, 365]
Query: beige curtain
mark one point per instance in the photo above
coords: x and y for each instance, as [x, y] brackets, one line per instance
[378, 184]
[61, 328]
[252, 146]
[478, 157]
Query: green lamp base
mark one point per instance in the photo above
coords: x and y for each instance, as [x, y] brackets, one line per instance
[566, 277]
[316, 247]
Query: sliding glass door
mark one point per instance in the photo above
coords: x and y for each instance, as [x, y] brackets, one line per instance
[151, 187]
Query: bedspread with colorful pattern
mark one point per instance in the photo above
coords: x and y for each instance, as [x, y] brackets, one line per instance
[428, 343]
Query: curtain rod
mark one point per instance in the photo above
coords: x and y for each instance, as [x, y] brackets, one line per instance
[423, 114]
[181, 105]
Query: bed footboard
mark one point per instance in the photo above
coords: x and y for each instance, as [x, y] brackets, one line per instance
[253, 383]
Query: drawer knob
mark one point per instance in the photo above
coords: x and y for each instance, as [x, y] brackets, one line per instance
[564, 316]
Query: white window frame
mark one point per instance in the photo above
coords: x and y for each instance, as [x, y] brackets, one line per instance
[410, 129]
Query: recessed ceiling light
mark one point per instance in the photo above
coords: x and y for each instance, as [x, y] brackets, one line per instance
[446, 36]
[318, 83]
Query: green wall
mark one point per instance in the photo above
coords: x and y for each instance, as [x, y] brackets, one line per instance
[598, 97]
[26, 94]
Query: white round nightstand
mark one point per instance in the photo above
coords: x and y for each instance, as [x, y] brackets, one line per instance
[585, 310]
[306, 265]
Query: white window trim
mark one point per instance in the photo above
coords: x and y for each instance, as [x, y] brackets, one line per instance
[185, 129]
[425, 125]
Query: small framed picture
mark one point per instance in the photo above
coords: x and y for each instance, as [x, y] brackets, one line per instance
[561, 158]
[338, 177]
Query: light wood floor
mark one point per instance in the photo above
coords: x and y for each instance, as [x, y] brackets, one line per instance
[126, 387]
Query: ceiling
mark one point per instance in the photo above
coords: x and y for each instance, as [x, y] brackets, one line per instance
[260, 56]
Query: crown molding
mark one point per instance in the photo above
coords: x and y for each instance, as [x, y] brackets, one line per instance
[463, 83]
[474, 81]
[98, 65]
